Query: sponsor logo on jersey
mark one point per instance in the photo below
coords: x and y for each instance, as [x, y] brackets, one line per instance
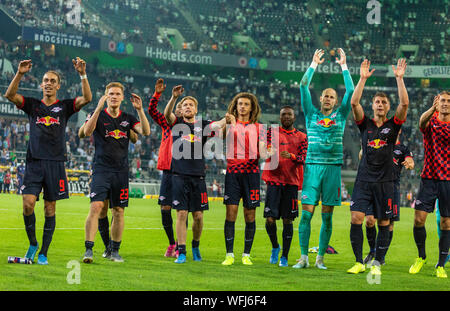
[385, 131]
[377, 143]
[197, 129]
[326, 122]
[191, 138]
[124, 123]
[56, 109]
[175, 202]
[399, 152]
[117, 134]
[47, 121]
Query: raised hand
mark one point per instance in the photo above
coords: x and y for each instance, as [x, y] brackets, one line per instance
[25, 66]
[399, 72]
[101, 102]
[317, 58]
[365, 71]
[136, 101]
[343, 58]
[79, 65]
[160, 86]
[177, 91]
[436, 100]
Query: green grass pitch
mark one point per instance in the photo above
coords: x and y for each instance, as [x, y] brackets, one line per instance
[145, 267]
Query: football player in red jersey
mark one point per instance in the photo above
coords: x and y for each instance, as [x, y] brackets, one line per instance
[435, 180]
[245, 145]
[284, 182]
[165, 160]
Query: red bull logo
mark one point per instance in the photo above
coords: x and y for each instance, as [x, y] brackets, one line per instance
[326, 122]
[117, 134]
[47, 121]
[377, 143]
[191, 138]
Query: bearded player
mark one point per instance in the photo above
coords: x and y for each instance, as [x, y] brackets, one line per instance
[189, 192]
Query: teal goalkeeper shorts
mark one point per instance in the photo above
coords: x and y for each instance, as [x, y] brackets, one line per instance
[322, 181]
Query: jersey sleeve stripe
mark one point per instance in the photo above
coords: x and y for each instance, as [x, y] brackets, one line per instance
[361, 121]
[398, 121]
[74, 106]
[23, 103]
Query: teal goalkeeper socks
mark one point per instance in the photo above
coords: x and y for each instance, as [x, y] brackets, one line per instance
[438, 219]
[325, 232]
[304, 231]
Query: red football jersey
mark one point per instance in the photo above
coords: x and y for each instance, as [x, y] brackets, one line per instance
[436, 141]
[242, 143]
[165, 149]
[289, 171]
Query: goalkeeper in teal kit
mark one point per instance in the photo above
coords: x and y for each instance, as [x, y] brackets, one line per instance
[322, 174]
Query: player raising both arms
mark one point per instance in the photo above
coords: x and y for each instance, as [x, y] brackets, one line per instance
[111, 129]
[46, 151]
[402, 158]
[284, 182]
[164, 161]
[188, 168]
[374, 185]
[322, 175]
[435, 180]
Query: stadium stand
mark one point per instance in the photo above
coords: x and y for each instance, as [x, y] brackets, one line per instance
[278, 30]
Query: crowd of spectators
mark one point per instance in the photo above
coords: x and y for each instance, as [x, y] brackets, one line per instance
[287, 30]
[213, 91]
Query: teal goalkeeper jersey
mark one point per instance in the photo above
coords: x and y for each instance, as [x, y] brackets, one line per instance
[325, 133]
